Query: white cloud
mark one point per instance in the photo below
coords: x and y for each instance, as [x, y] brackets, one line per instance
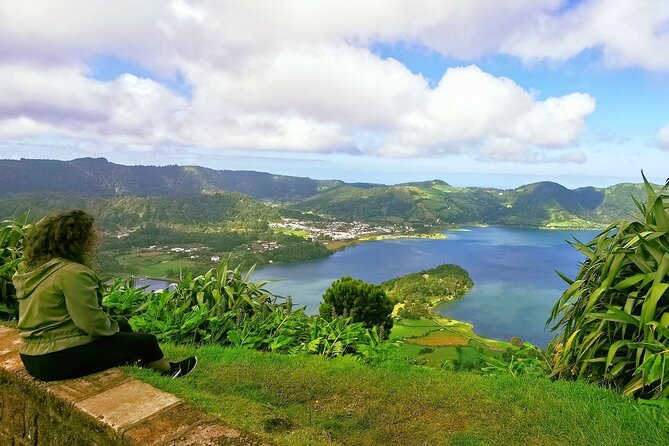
[471, 110]
[555, 122]
[330, 83]
[663, 137]
[63, 101]
[164, 34]
[628, 33]
[290, 75]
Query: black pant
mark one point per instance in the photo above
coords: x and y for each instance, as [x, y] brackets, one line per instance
[102, 354]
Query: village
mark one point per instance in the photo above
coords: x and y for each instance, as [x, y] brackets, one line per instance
[340, 230]
[169, 259]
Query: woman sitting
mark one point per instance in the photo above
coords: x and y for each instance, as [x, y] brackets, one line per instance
[64, 331]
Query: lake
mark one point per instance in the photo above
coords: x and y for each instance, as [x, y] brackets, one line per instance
[515, 284]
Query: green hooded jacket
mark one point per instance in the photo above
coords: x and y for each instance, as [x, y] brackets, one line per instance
[59, 307]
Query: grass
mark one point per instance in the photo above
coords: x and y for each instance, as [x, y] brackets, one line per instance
[298, 232]
[440, 339]
[432, 341]
[410, 328]
[154, 264]
[315, 401]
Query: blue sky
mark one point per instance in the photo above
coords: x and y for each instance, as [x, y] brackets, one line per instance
[476, 92]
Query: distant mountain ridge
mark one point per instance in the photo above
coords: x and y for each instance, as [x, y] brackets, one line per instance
[430, 203]
[97, 177]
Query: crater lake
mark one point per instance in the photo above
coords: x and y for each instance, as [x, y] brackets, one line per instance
[513, 269]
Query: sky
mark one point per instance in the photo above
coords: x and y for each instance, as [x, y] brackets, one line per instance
[473, 92]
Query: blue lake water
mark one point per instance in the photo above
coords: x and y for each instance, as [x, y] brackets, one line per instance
[515, 284]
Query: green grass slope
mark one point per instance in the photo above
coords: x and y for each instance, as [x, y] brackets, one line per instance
[298, 400]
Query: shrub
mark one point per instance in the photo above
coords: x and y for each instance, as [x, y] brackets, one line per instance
[362, 302]
[528, 360]
[614, 316]
[414, 310]
[223, 306]
[200, 309]
[12, 235]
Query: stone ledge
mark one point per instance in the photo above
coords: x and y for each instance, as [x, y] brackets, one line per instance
[107, 408]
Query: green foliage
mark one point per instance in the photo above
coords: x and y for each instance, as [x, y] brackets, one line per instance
[278, 331]
[12, 235]
[384, 203]
[540, 203]
[295, 332]
[200, 309]
[614, 316]
[223, 306]
[152, 235]
[111, 213]
[227, 289]
[526, 361]
[432, 286]
[437, 204]
[225, 223]
[414, 310]
[362, 302]
[122, 300]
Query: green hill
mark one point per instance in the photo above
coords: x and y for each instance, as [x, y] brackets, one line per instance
[428, 203]
[543, 204]
[386, 203]
[114, 213]
[97, 177]
[431, 286]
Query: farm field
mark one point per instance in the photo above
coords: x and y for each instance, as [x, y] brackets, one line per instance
[154, 264]
[433, 341]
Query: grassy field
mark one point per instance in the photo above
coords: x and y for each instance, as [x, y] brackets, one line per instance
[431, 342]
[300, 400]
[298, 232]
[153, 264]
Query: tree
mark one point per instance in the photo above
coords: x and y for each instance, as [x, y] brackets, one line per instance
[363, 302]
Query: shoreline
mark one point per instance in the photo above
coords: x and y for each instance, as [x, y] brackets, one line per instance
[342, 244]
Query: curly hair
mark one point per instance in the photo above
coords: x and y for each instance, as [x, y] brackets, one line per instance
[69, 235]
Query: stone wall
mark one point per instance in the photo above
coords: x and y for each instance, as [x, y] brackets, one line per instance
[107, 408]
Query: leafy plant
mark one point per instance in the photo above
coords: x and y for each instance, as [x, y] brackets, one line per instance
[277, 331]
[202, 308]
[335, 337]
[224, 289]
[526, 361]
[12, 235]
[122, 300]
[295, 332]
[223, 306]
[614, 317]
